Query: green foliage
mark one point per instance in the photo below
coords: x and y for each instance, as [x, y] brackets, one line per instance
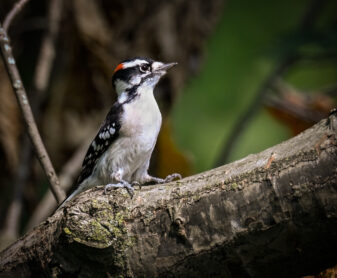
[251, 37]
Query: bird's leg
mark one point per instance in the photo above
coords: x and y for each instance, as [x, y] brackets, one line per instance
[120, 183]
[172, 177]
[169, 178]
[123, 184]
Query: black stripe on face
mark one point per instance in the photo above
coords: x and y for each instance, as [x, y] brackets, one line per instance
[126, 74]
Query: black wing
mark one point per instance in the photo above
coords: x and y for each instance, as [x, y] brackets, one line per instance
[106, 135]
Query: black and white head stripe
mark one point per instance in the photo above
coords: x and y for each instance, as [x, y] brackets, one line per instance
[135, 73]
[129, 69]
[136, 62]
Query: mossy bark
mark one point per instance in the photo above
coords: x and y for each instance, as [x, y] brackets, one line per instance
[272, 214]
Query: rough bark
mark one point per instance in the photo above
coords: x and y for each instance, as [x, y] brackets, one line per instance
[272, 214]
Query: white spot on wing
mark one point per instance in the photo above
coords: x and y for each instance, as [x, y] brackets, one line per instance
[93, 144]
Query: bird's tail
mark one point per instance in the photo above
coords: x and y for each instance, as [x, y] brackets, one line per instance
[70, 197]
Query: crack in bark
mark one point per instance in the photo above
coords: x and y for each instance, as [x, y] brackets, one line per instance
[240, 220]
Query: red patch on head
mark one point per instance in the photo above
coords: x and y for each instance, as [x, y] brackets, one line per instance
[119, 67]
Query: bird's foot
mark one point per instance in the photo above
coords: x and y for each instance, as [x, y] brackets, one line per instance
[136, 183]
[122, 184]
[169, 178]
[172, 177]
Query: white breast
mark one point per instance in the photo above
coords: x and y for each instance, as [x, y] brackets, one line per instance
[142, 119]
[140, 125]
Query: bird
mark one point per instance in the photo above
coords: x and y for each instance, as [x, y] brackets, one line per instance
[119, 155]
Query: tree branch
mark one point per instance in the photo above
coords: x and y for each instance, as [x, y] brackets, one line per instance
[12, 13]
[67, 175]
[33, 132]
[271, 214]
[41, 80]
[11, 228]
[48, 51]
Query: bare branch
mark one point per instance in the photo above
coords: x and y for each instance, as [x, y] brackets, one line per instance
[271, 214]
[47, 51]
[67, 176]
[41, 79]
[13, 12]
[33, 132]
[10, 231]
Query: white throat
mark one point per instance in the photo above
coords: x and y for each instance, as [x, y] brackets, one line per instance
[142, 115]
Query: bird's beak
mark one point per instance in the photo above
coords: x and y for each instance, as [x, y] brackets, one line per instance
[161, 68]
[167, 66]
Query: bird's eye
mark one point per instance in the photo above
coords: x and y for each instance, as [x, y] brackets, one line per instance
[144, 68]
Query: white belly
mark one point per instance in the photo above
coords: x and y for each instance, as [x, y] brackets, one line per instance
[140, 126]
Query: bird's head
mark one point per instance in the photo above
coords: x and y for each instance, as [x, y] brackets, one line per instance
[136, 73]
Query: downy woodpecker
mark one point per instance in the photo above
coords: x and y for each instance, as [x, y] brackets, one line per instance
[119, 155]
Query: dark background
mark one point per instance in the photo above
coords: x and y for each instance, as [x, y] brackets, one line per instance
[251, 74]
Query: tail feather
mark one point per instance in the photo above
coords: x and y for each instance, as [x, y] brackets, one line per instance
[69, 198]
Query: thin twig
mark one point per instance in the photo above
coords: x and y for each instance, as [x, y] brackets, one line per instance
[33, 132]
[11, 226]
[67, 175]
[12, 13]
[48, 51]
[41, 80]
[306, 23]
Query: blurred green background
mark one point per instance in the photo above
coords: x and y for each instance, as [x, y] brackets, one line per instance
[252, 36]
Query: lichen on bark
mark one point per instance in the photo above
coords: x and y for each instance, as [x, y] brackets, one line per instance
[269, 214]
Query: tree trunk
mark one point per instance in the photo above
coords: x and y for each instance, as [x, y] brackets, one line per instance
[272, 214]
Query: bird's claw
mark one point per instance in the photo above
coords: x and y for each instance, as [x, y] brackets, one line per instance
[172, 177]
[129, 189]
[136, 183]
[123, 184]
